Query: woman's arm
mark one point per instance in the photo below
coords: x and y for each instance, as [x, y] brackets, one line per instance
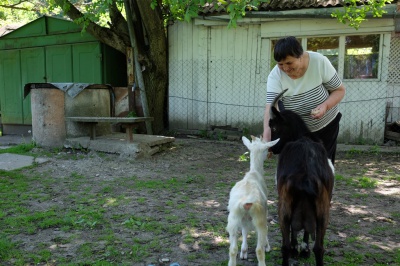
[267, 130]
[334, 99]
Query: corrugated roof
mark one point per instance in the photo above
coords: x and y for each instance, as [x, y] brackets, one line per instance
[275, 5]
[298, 4]
[279, 5]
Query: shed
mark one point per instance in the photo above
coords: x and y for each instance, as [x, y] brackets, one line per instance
[218, 75]
[51, 50]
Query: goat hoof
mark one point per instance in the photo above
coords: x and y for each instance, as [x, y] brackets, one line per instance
[267, 248]
[305, 253]
[293, 262]
[294, 253]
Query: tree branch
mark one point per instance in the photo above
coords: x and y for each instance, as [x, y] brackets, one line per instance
[15, 6]
[103, 34]
[118, 22]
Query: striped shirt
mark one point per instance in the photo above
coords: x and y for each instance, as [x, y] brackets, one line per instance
[307, 92]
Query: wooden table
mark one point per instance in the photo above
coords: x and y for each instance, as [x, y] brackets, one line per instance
[127, 122]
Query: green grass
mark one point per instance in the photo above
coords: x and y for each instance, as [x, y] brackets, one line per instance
[22, 149]
[360, 182]
[111, 227]
[353, 258]
[8, 249]
[360, 195]
[367, 182]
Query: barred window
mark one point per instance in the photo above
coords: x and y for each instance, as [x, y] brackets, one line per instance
[361, 57]
[328, 46]
[361, 53]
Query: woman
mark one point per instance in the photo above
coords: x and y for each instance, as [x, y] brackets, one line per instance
[314, 90]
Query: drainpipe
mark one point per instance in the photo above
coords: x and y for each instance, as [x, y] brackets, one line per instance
[138, 69]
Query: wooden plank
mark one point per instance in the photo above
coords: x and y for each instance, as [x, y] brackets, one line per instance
[127, 122]
[392, 135]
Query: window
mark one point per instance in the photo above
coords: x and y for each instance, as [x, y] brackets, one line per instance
[361, 57]
[328, 46]
[361, 53]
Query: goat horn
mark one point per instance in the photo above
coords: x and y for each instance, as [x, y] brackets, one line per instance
[275, 103]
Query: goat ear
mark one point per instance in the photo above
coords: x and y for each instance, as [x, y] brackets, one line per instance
[246, 141]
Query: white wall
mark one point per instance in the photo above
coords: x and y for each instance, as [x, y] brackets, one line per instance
[214, 76]
[218, 76]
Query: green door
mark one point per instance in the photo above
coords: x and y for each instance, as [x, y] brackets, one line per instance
[32, 71]
[87, 63]
[10, 87]
[59, 64]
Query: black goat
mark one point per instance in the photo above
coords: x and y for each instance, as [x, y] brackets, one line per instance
[305, 182]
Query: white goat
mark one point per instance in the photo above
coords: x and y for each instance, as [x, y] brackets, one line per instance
[248, 204]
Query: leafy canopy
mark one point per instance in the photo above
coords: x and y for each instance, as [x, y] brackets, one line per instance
[188, 9]
[354, 12]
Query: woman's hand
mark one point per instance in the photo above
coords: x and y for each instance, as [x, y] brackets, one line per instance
[334, 99]
[319, 111]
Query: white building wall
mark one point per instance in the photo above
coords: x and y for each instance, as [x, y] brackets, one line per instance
[218, 76]
[188, 76]
[214, 78]
[234, 84]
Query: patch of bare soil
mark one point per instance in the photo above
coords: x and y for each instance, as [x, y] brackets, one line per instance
[172, 206]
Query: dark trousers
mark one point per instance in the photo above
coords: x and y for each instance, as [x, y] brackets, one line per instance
[329, 135]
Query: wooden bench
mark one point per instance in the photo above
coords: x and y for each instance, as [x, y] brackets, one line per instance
[127, 122]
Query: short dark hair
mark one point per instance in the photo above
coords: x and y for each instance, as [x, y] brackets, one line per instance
[288, 46]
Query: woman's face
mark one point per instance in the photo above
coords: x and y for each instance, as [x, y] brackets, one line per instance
[291, 66]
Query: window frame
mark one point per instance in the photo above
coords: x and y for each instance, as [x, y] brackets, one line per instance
[341, 55]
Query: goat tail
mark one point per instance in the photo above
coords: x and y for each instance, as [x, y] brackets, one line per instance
[302, 184]
[247, 206]
[250, 202]
[253, 208]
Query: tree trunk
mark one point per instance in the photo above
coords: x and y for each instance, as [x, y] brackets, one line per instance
[155, 74]
[151, 44]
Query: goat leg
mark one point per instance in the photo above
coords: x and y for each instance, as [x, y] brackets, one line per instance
[261, 242]
[294, 253]
[304, 247]
[285, 249]
[267, 246]
[243, 250]
[319, 242]
[233, 249]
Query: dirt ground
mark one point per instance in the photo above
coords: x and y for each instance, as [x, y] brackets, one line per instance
[172, 207]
